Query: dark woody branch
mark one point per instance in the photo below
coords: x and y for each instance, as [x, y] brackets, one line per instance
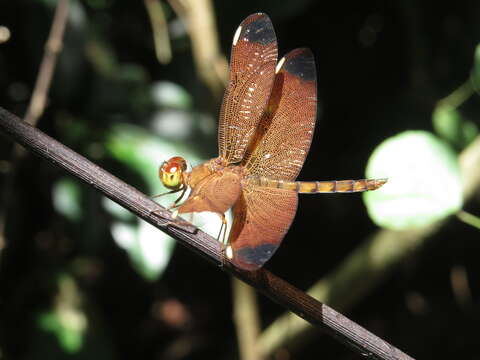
[293, 299]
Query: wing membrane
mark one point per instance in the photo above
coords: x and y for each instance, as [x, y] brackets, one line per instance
[262, 217]
[252, 72]
[285, 132]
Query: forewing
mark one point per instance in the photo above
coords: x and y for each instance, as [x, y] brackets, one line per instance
[262, 217]
[252, 71]
[285, 132]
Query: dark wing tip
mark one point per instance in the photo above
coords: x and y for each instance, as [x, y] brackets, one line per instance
[258, 28]
[253, 257]
[301, 63]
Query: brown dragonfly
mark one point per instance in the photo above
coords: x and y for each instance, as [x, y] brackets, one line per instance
[266, 125]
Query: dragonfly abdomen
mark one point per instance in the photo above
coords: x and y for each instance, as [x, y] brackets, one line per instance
[315, 187]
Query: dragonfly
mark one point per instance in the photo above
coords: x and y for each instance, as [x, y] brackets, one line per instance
[266, 124]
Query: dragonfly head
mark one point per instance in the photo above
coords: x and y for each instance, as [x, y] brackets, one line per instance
[171, 172]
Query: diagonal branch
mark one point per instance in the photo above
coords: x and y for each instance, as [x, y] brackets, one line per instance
[368, 265]
[295, 300]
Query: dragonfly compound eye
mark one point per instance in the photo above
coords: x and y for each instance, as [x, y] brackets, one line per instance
[171, 173]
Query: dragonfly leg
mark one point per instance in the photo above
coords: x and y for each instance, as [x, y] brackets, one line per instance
[223, 228]
[168, 192]
[178, 223]
[183, 189]
[172, 207]
[175, 203]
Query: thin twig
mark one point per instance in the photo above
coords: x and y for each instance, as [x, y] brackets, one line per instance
[161, 40]
[53, 47]
[469, 219]
[458, 96]
[295, 300]
[368, 265]
[212, 66]
[37, 103]
[460, 285]
[247, 320]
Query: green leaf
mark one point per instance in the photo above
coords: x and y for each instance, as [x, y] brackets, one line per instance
[116, 210]
[173, 124]
[66, 320]
[449, 124]
[424, 183]
[148, 248]
[143, 152]
[66, 197]
[169, 94]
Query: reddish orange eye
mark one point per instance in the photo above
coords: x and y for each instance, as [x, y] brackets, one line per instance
[178, 161]
[171, 171]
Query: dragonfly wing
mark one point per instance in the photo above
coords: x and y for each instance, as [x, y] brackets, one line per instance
[262, 217]
[278, 149]
[285, 131]
[252, 72]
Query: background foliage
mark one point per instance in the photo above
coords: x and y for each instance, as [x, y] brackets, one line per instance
[81, 277]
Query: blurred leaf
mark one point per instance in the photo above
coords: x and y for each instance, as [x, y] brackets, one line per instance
[74, 130]
[69, 339]
[424, 182]
[149, 249]
[169, 94]
[116, 210]
[66, 320]
[66, 197]
[449, 124]
[102, 56]
[131, 74]
[123, 89]
[209, 222]
[143, 152]
[173, 124]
